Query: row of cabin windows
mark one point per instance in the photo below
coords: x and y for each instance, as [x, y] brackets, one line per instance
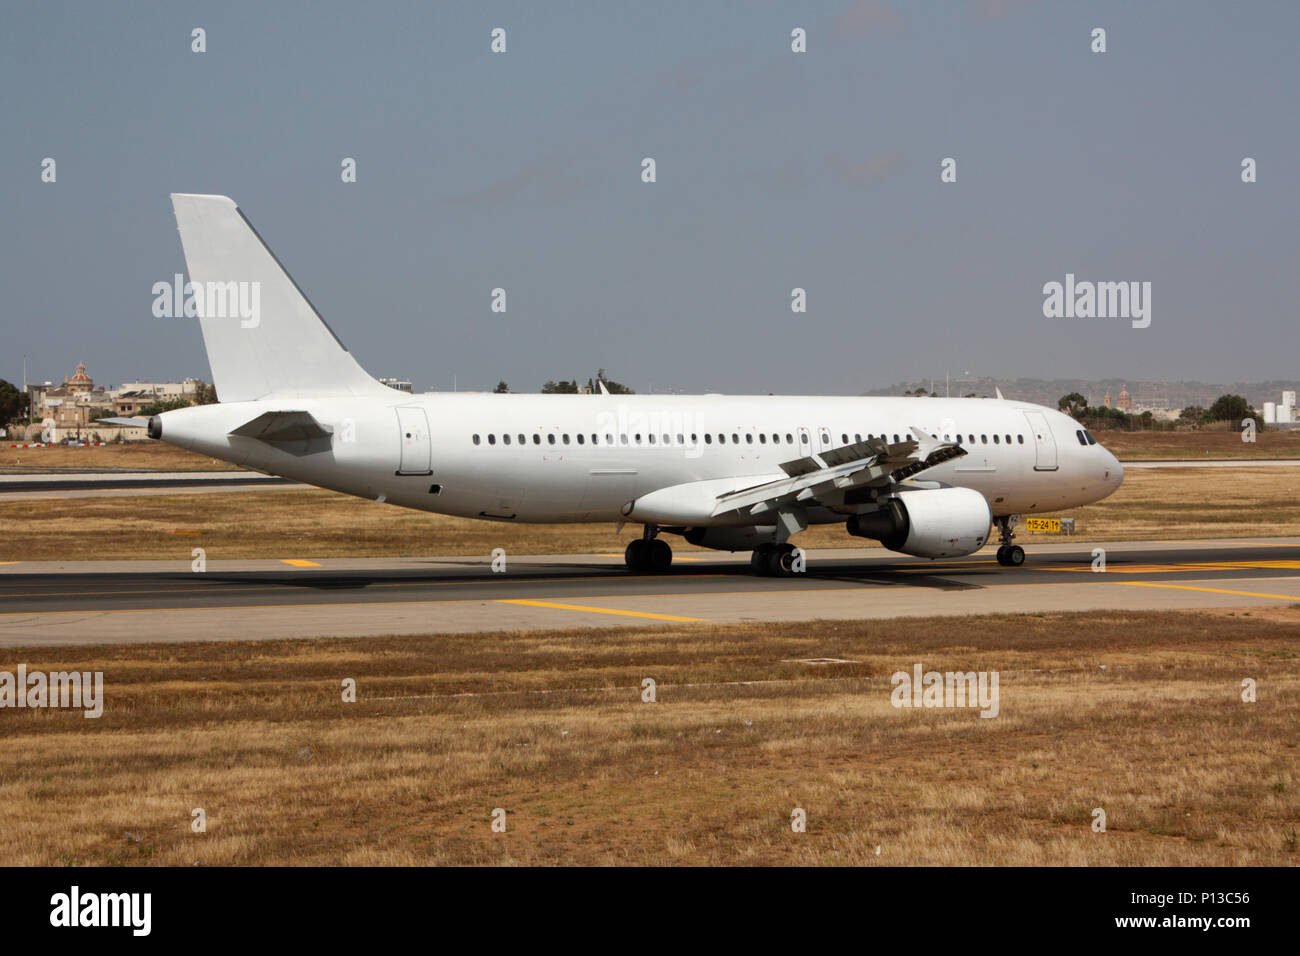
[506, 439]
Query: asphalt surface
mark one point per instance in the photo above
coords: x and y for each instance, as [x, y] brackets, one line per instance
[140, 601]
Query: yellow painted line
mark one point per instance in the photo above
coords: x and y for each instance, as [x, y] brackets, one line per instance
[598, 610]
[299, 563]
[10, 562]
[1188, 587]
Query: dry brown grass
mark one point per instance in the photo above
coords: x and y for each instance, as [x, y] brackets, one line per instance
[256, 734]
[1215, 443]
[1156, 504]
[134, 456]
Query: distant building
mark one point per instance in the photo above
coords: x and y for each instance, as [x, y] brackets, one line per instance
[400, 384]
[1125, 401]
[70, 405]
[77, 403]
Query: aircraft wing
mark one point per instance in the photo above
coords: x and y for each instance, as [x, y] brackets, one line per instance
[829, 473]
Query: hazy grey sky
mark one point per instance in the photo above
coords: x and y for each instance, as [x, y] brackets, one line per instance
[775, 170]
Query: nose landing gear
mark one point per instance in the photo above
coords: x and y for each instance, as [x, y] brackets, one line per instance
[1009, 555]
[648, 554]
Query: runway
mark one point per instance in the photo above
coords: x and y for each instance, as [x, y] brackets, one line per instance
[106, 602]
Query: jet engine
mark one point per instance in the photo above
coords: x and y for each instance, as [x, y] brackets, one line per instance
[929, 523]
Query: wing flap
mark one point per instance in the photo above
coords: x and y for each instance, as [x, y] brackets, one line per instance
[840, 469]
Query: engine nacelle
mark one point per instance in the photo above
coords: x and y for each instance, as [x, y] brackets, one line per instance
[930, 523]
[731, 539]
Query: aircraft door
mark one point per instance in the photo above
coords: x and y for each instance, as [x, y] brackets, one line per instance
[824, 442]
[1044, 444]
[417, 449]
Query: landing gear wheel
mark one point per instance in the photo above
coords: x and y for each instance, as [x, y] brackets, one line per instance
[1009, 555]
[759, 559]
[660, 555]
[780, 563]
[637, 555]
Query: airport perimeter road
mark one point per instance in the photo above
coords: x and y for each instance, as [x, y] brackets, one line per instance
[49, 603]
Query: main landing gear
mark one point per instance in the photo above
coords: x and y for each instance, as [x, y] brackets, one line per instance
[648, 554]
[1009, 555]
[773, 560]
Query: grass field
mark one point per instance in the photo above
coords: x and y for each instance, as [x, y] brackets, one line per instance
[134, 456]
[1201, 444]
[1138, 714]
[1172, 504]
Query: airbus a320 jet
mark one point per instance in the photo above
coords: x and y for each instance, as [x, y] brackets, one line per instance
[927, 477]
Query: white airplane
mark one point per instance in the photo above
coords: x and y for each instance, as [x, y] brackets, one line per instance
[924, 476]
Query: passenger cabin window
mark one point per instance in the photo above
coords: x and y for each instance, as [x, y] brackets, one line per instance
[762, 438]
[803, 437]
[984, 439]
[492, 439]
[995, 439]
[1008, 439]
[749, 438]
[476, 439]
[506, 438]
[708, 438]
[581, 438]
[537, 439]
[1020, 439]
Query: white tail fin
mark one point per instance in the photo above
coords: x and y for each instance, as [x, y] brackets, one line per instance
[264, 339]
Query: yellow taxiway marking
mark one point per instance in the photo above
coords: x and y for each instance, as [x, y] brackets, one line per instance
[299, 563]
[876, 589]
[10, 562]
[1188, 587]
[599, 610]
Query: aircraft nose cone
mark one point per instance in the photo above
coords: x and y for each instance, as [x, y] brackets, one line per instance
[1116, 471]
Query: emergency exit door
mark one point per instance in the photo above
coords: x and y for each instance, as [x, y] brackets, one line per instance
[417, 450]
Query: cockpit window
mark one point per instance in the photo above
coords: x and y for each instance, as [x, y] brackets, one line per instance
[1079, 435]
[1088, 435]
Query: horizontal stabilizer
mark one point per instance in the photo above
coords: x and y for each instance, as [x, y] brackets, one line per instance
[286, 426]
[128, 422]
